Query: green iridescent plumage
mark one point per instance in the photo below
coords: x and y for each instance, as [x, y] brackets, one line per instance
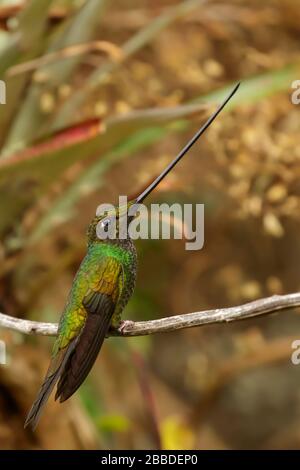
[103, 265]
[101, 289]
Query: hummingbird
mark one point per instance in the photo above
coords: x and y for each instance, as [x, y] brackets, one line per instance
[101, 288]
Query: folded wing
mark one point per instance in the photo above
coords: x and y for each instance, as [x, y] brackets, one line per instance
[72, 363]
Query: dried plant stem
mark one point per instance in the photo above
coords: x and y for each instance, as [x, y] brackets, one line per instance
[110, 49]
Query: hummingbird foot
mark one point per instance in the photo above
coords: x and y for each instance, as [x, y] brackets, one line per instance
[119, 329]
[123, 325]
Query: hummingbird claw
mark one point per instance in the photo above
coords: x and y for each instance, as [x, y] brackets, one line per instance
[123, 325]
[117, 330]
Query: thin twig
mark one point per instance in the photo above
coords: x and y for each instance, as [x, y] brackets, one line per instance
[256, 308]
[113, 51]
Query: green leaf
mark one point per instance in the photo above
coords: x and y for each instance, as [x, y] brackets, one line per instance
[76, 30]
[113, 423]
[24, 44]
[26, 175]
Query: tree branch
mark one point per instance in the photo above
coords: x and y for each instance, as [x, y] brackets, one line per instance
[256, 308]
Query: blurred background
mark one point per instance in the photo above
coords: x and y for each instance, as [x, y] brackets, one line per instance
[76, 131]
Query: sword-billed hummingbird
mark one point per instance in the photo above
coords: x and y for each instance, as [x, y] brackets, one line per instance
[100, 291]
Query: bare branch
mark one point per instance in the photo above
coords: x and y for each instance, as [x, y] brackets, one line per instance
[28, 327]
[163, 325]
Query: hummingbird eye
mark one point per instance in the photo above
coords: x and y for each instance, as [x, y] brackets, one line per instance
[105, 223]
[105, 228]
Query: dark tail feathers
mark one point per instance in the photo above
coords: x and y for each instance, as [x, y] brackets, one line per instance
[46, 389]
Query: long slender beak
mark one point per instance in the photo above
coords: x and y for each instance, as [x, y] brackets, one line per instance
[194, 139]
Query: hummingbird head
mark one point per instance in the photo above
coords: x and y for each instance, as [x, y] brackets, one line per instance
[117, 219]
[110, 224]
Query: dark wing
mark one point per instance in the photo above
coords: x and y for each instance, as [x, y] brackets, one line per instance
[100, 303]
